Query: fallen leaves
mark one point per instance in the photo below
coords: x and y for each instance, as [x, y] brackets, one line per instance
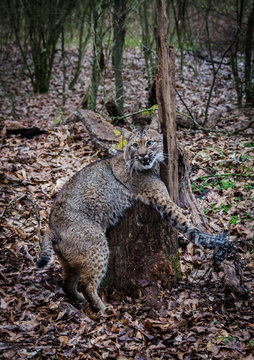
[200, 318]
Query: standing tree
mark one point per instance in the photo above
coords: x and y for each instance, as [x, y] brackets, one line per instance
[98, 29]
[83, 12]
[144, 248]
[249, 59]
[239, 9]
[148, 23]
[119, 17]
[179, 11]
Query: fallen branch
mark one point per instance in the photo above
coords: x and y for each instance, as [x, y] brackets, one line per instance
[206, 58]
[244, 128]
[13, 201]
[225, 175]
[205, 129]
[232, 279]
[26, 132]
[236, 132]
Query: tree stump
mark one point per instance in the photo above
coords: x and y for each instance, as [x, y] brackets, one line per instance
[143, 247]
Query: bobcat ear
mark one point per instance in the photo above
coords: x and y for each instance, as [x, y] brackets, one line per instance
[126, 133]
[155, 124]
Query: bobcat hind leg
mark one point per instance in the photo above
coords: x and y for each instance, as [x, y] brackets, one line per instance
[93, 272]
[71, 276]
[84, 256]
[71, 279]
[92, 294]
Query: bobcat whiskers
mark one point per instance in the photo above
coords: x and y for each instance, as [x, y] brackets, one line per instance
[139, 163]
[131, 165]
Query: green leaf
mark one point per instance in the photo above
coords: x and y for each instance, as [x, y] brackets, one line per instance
[150, 110]
[122, 143]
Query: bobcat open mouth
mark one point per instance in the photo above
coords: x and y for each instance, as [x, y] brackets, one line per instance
[145, 162]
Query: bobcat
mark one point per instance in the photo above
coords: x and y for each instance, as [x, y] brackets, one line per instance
[95, 198]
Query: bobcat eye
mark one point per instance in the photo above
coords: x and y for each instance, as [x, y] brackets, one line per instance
[135, 145]
[149, 143]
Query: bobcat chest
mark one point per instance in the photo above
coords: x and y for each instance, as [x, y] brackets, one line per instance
[117, 209]
[111, 204]
[102, 198]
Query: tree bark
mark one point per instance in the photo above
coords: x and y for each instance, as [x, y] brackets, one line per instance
[149, 34]
[248, 70]
[239, 8]
[98, 34]
[86, 12]
[144, 248]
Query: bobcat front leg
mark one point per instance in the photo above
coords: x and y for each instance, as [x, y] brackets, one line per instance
[155, 193]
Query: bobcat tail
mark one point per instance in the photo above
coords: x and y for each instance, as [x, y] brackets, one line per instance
[46, 249]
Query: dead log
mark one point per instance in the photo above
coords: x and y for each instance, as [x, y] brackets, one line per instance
[100, 131]
[231, 279]
[26, 132]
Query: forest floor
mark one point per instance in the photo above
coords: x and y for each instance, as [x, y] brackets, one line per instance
[201, 318]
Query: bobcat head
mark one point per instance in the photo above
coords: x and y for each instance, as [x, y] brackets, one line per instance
[144, 149]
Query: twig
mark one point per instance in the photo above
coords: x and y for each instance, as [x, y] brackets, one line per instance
[76, 117]
[206, 170]
[192, 119]
[223, 132]
[244, 128]
[215, 71]
[37, 216]
[117, 118]
[35, 207]
[184, 103]
[13, 201]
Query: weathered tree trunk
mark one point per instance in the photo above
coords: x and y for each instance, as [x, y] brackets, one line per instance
[179, 11]
[239, 8]
[249, 69]
[98, 34]
[144, 248]
[149, 33]
[86, 15]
